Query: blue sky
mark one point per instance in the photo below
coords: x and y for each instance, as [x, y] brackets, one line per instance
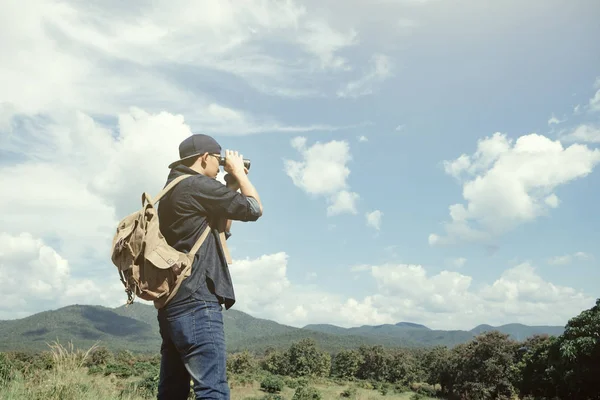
[468, 132]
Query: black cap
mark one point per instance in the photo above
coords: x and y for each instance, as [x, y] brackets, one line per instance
[196, 145]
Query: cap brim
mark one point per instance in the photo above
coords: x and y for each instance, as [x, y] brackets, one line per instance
[175, 163]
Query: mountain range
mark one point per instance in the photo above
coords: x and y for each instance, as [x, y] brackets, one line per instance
[135, 327]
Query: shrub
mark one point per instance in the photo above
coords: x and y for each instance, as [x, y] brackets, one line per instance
[121, 371]
[95, 369]
[144, 368]
[125, 357]
[241, 363]
[6, 370]
[350, 392]
[307, 393]
[100, 356]
[148, 387]
[272, 384]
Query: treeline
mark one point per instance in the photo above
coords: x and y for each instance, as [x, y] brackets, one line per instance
[491, 366]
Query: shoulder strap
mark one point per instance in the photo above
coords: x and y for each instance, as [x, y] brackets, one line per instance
[200, 240]
[146, 197]
[169, 187]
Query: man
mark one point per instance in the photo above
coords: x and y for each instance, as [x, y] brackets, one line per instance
[191, 324]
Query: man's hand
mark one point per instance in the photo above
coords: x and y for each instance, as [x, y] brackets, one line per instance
[234, 164]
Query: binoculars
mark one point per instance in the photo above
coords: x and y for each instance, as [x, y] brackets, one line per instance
[246, 162]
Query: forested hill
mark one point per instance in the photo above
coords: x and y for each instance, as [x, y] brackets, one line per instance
[425, 335]
[136, 328]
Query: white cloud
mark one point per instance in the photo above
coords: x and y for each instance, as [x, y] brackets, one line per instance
[506, 183]
[104, 59]
[569, 258]
[554, 121]
[323, 41]
[363, 139]
[446, 300]
[374, 219]
[37, 278]
[323, 171]
[260, 282]
[76, 169]
[459, 262]
[380, 70]
[552, 201]
[342, 202]
[583, 133]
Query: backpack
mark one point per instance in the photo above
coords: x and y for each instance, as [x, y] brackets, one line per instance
[148, 266]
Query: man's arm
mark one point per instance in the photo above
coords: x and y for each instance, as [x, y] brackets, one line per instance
[234, 164]
[224, 203]
[233, 184]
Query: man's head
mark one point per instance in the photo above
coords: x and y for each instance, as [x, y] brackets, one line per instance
[201, 153]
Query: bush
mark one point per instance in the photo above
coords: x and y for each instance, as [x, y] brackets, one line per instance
[95, 369]
[100, 356]
[241, 363]
[6, 370]
[424, 389]
[272, 384]
[307, 393]
[350, 392]
[121, 371]
[148, 387]
[125, 357]
[144, 368]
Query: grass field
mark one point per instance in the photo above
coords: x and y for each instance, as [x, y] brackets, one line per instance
[66, 377]
[79, 384]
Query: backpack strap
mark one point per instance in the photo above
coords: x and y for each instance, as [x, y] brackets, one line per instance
[200, 240]
[202, 237]
[146, 197]
[224, 246]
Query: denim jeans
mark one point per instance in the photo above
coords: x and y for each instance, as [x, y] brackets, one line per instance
[193, 347]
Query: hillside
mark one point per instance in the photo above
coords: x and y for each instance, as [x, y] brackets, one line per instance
[520, 331]
[426, 336]
[136, 328]
[83, 324]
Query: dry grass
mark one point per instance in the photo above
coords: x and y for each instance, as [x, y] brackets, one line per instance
[68, 358]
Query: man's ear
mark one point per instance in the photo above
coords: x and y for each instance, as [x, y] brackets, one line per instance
[204, 159]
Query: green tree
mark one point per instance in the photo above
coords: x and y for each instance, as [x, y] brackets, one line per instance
[436, 365]
[483, 368]
[403, 368]
[240, 363]
[375, 365]
[306, 360]
[346, 363]
[539, 367]
[276, 362]
[579, 348]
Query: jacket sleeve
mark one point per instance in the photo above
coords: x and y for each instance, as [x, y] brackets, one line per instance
[219, 201]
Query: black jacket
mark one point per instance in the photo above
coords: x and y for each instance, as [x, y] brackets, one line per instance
[183, 215]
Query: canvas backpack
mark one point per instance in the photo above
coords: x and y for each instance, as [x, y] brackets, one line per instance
[148, 266]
